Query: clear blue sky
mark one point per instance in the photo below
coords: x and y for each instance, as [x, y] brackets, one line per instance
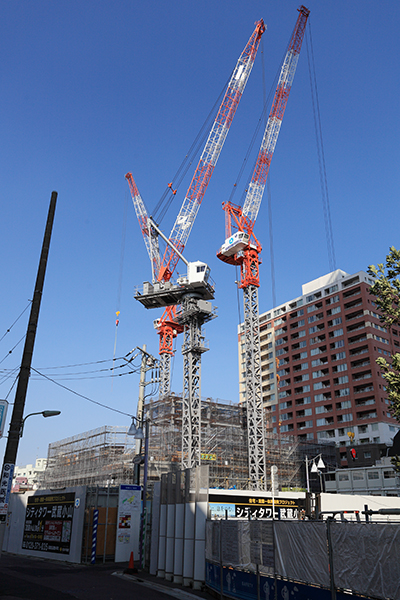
[91, 90]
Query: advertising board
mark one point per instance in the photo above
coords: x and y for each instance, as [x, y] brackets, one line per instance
[48, 523]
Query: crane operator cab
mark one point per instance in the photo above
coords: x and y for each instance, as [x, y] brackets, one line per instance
[234, 244]
[198, 274]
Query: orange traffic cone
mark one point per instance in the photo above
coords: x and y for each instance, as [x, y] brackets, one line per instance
[131, 567]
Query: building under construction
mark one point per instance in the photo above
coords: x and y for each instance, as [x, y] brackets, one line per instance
[106, 455]
[224, 445]
[101, 456]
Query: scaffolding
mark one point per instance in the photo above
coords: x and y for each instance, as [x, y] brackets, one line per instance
[108, 456]
[224, 445]
[223, 439]
[102, 456]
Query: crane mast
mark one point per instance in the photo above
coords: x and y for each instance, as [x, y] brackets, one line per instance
[193, 291]
[242, 248]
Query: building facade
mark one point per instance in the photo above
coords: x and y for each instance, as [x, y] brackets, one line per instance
[29, 477]
[380, 479]
[320, 380]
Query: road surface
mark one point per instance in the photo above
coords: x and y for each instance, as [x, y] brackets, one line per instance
[37, 579]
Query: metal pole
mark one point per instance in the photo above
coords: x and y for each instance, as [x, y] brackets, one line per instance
[142, 538]
[10, 455]
[307, 476]
[106, 523]
[140, 407]
[330, 557]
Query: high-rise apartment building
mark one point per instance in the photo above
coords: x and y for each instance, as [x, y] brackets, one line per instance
[320, 380]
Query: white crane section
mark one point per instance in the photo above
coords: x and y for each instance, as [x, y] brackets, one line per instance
[255, 192]
[150, 236]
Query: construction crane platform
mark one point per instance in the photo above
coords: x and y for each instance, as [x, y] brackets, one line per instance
[162, 294]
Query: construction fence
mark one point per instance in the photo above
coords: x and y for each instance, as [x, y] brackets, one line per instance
[334, 556]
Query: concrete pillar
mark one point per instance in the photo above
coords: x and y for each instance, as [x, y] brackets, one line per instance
[162, 527]
[170, 530]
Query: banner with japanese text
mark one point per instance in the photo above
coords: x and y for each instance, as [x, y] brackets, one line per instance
[48, 523]
[255, 507]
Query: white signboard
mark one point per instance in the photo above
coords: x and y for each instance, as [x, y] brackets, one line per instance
[128, 523]
[5, 487]
[3, 414]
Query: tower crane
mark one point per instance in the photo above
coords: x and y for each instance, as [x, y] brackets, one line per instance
[242, 248]
[193, 291]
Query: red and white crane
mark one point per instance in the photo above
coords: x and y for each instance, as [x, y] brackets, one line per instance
[162, 292]
[163, 268]
[242, 248]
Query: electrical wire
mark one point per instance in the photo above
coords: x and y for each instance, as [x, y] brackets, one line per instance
[84, 364]
[81, 395]
[10, 390]
[16, 320]
[7, 374]
[12, 349]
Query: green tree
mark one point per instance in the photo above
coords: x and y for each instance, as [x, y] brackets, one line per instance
[386, 290]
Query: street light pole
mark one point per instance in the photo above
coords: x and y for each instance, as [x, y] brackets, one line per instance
[314, 469]
[45, 413]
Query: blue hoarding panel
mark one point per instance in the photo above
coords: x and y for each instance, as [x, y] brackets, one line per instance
[243, 585]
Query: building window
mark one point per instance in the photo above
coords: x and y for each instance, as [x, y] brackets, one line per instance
[288, 427]
[336, 333]
[337, 345]
[284, 405]
[286, 416]
[331, 290]
[343, 405]
[345, 418]
[341, 367]
[332, 300]
[342, 392]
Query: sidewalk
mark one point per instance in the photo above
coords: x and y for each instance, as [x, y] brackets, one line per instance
[167, 587]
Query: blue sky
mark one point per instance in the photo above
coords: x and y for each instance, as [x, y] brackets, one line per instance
[91, 90]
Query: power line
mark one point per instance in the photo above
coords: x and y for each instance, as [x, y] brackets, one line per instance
[12, 349]
[16, 320]
[81, 395]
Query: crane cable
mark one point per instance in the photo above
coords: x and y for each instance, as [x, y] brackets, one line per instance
[271, 239]
[320, 150]
[121, 269]
[165, 201]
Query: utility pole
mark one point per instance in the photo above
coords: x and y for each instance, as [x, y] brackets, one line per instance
[10, 455]
[149, 363]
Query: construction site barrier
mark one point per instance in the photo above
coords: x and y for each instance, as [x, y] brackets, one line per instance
[249, 559]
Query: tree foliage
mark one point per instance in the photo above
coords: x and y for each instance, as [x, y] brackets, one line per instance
[386, 290]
